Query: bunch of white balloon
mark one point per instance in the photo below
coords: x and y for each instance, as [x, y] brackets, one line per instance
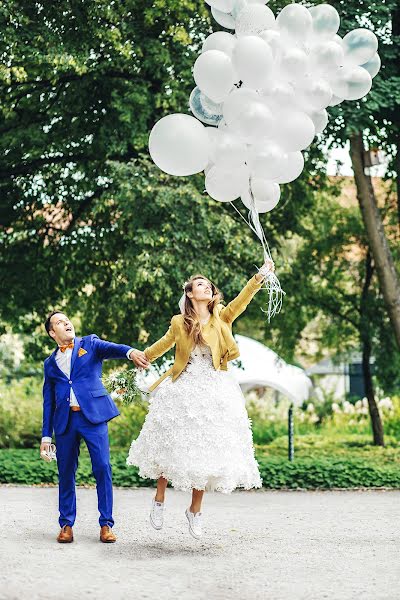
[263, 91]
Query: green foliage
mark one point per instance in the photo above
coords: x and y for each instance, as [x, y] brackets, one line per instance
[327, 473]
[89, 225]
[377, 115]
[127, 426]
[324, 275]
[21, 413]
[21, 417]
[334, 451]
[317, 466]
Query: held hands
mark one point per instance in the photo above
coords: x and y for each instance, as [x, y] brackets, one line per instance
[139, 358]
[268, 267]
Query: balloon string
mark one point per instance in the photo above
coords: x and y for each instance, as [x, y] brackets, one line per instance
[271, 282]
[245, 220]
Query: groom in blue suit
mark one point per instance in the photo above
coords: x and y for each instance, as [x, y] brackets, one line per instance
[77, 406]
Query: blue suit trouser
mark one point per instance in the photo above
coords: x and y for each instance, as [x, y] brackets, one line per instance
[68, 444]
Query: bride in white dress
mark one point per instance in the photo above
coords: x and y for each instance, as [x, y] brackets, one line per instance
[197, 434]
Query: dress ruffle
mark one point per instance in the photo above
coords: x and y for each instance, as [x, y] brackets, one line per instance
[197, 433]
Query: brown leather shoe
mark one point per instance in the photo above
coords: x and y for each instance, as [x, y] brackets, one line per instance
[106, 535]
[66, 535]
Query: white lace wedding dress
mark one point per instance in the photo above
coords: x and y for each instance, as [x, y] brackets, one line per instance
[197, 433]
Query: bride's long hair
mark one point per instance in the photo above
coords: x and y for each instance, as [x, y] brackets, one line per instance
[190, 320]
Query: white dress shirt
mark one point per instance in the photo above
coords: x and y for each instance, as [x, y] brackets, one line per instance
[63, 360]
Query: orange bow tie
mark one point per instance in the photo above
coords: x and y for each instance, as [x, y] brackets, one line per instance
[63, 348]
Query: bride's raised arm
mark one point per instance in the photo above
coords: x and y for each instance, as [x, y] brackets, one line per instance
[231, 311]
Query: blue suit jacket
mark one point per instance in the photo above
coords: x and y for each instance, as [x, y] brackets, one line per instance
[85, 379]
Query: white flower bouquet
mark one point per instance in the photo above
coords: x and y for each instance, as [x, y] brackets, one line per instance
[124, 385]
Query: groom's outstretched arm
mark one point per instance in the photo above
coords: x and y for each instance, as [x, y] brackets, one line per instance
[110, 350]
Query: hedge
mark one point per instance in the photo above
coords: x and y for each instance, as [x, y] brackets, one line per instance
[20, 466]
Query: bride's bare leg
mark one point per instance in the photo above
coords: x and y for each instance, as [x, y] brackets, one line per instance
[161, 487]
[197, 497]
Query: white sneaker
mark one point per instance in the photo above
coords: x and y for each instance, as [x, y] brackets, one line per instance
[157, 514]
[194, 523]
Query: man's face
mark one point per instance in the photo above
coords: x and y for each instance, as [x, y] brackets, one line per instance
[62, 330]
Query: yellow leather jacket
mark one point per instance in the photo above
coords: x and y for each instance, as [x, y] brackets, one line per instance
[217, 334]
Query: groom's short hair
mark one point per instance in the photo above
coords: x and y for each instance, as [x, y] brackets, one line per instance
[47, 323]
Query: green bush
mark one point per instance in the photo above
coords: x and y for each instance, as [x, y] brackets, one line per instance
[318, 464]
[26, 467]
[21, 413]
[327, 473]
[21, 417]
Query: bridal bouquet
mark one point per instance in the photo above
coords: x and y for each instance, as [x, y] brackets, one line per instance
[124, 384]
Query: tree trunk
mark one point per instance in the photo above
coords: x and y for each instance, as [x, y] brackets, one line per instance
[376, 422]
[397, 169]
[396, 40]
[387, 276]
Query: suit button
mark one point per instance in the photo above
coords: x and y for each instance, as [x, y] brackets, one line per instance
[70, 382]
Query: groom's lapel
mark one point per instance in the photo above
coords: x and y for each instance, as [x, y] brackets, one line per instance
[53, 362]
[77, 345]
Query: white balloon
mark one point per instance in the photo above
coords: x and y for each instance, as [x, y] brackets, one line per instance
[359, 46]
[226, 186]
[292, 168]
[336, 38]
[239, 4]
[252, 59]
[293, 64]
[214, 74]
[295, 21]
[208, 167]
[229, 151]
[373, 65]
[266, 160]
[326, 57]
[335, 100]
[253, 19]
[352, 83]
[220, 40]
[264, 195]
[223, 125]
[314, 94]
[237, 102]
[280, 95]
[320, 120]
[222, 5]
[179, 145]
[223, 19]
[214, 135]
[294, 130]
[325, 20]
[204, 109]
[255, 123]
[273, 39]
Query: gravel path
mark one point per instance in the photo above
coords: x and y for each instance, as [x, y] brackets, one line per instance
[257, 545]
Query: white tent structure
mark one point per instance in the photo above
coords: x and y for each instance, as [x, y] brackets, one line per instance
[259, 367]
[262, 367]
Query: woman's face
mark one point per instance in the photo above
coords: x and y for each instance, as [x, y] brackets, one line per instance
[201, 290]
